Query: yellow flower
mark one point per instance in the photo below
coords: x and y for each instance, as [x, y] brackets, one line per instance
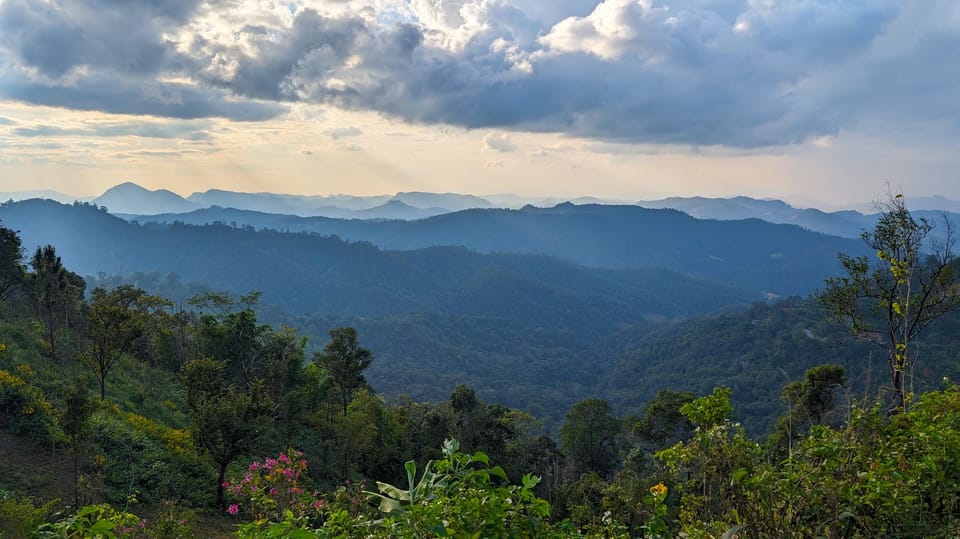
[658, 490]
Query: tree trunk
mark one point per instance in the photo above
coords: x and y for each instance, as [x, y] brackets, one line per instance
[220, 478]
[76, 474]
[899, 400]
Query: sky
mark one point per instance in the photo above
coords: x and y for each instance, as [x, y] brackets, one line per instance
[818, 102]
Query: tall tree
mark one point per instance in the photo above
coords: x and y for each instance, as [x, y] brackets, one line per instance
[892, 300]
[232, 337]
[75, 422]
[589, 435]
[11, 262]
[116, 319]
[344, 360]
[55, 292]
[225, 419]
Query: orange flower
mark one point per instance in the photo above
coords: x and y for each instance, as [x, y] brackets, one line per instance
[658, 490]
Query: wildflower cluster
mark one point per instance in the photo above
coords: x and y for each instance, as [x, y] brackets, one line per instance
[273, 490]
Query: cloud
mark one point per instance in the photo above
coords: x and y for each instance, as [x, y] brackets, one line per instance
[698, 74]
[126, 95]
[189, 131]
[695, 73]
[110, 56]
[57, 37]
[338, 133]
[498, 143]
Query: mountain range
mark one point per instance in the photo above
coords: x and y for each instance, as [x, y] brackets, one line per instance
[137, 203]
[436, 317]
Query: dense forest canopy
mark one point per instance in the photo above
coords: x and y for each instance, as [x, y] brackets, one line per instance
[208, 418]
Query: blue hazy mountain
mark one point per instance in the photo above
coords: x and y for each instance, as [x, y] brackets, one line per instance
[308, 273]
[40, 193]
[399, 206]
[449, 201]
[845, 223]
[129, 197]
[774, 258]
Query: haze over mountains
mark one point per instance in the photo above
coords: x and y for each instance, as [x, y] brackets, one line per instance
[535, 289]
[133, 202]
[487, 296]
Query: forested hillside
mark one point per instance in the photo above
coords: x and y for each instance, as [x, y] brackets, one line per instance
[527, 331]
[772, 258]
[151, 421]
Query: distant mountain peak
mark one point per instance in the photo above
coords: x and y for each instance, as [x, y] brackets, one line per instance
[129, 197]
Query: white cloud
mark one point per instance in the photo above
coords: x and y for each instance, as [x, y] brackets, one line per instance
[501, 142]
[693, 73]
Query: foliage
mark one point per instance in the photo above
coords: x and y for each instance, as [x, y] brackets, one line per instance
[55, 291]
[345, 360]
[12, 271]
[590, 435]
[810, 402]
[116, 319]
[95, 522]
[893, 300]
[19, 516]
[460, 497]
[710, 410]
[273, 491]
[173, 522]
[224, 418]
[25, 409]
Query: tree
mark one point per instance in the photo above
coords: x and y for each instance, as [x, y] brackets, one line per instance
[11, 266]
[75, 422]
[54, 290]
[892, 300]
[810, 402]
[232, 337]
[115, 321]
[224, 419]
[589, 435]
[662, 424]
[344, 360]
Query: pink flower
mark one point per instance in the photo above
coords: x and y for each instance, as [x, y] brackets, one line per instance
[283, 458]
[254, 466]
[318, 504]
[233, 509]
[224, 484]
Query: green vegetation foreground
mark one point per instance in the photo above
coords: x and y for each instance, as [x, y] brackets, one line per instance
[205, 423]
